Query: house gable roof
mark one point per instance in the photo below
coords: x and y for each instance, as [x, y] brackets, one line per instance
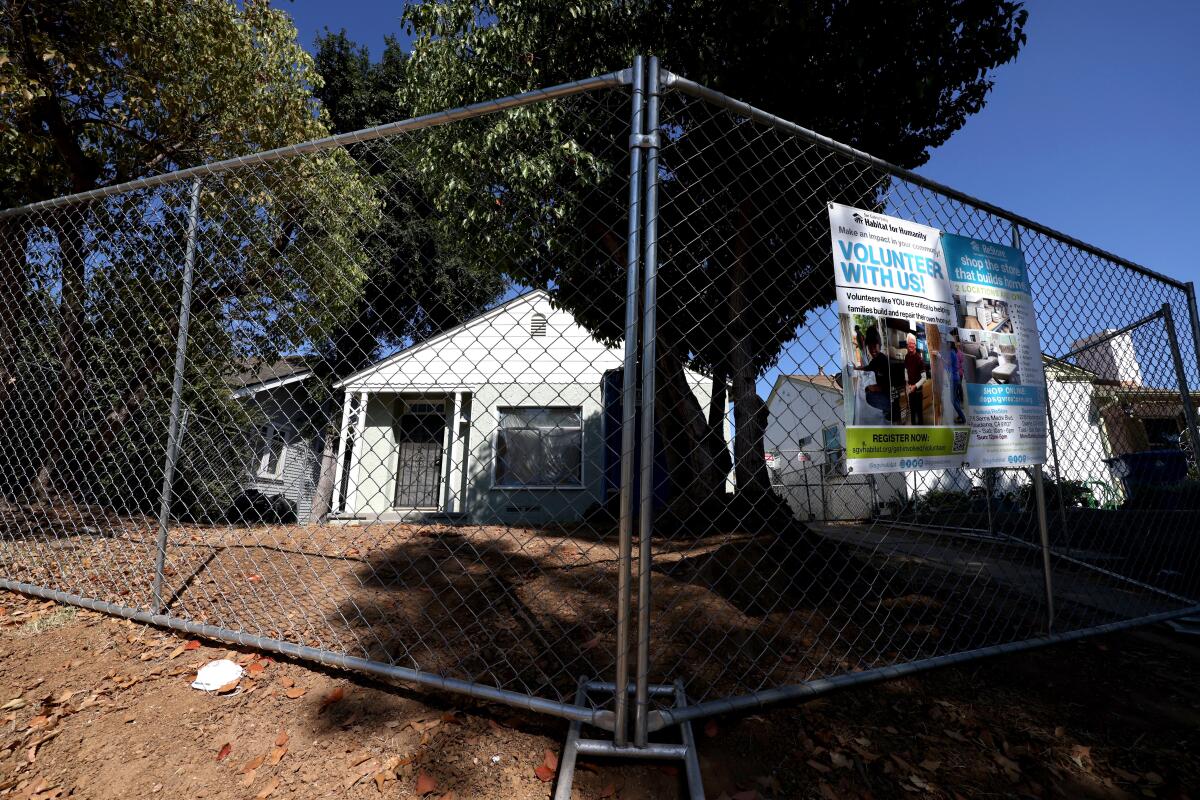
[827, 383]
[260, 376]
[498, 346]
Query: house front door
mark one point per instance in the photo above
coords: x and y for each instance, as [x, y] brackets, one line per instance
[420, 432]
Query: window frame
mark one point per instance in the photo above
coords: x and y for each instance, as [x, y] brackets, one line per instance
[498, 486]
[270, 433]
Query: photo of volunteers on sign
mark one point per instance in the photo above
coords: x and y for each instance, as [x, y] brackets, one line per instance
[941, 363]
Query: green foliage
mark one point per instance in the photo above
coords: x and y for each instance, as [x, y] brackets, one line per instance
[97, 92]
[944, 503]
[741, 261]
[421, 280]
[104, 91]
[1071, 493]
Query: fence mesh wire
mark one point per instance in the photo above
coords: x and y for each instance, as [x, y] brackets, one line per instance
[393, 440]
[828, 572]
[400, 417]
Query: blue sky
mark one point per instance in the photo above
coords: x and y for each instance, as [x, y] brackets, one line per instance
[1093, 130]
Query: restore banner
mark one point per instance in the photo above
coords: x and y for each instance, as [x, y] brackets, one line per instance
[941, 362]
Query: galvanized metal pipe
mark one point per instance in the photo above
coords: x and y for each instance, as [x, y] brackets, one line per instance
[595, 717]
[649, 362]
[629, 396]
[603, 747]
[1189, 409]
[673, 81]
[340, 140]
[173, 430]
[1039, 496]
[822, 686]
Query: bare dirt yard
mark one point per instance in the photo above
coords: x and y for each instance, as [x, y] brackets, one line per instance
[96, 707]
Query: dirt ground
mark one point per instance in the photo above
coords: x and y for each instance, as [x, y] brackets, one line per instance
[95, 707]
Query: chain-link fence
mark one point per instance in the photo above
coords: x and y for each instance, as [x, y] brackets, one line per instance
[402, 400]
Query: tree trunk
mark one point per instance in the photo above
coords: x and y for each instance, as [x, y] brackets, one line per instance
[65, 409]
[697, 459]
[322, 503]
[749, 410]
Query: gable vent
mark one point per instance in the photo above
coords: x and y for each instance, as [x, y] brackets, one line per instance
[537, 325]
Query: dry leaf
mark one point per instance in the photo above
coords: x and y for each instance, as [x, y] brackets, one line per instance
[287, 682]
[609, 790]
[248, 779]
[178, 651]
[295, 692]
[256, 668]
[282, 738]
[277, 755]
[333, 697]
[229, 687]
[192, 645]
[450, 795]
[16, 702]
[545, 771]
[426, 783]
[710, 728]
[254, 763]
[224, 751]
[267, 790]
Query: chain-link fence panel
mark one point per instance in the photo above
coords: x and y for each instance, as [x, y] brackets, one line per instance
[777, 571]
[372, 401]
[359, 401]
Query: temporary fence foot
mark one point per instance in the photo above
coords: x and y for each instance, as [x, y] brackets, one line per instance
[684, 751]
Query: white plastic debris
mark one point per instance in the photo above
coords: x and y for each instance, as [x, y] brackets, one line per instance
[215, 674]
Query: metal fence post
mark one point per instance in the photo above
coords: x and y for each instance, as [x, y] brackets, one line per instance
[649, 361]
[1189, 410]
[173, 433]
[1039, 496]
[1194, 320]
[629, 399]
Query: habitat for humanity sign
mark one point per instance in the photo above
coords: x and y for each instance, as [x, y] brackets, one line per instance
[941, 362]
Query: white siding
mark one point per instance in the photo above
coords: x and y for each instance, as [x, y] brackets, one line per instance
[497, 349]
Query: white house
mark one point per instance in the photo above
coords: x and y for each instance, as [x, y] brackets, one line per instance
[805, 442]
[511, 416]
[1094, 420]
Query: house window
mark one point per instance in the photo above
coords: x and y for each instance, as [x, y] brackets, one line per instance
[833, 450]
[539, 447]
[273, 453]
[1161, 432]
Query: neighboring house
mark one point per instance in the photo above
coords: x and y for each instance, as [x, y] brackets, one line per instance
[805, 445]
[285, 450]
[1095, 419]
[507, 417]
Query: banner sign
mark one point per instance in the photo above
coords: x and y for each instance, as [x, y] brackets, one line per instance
[941, 362]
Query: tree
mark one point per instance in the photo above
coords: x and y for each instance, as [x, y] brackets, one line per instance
[416, 285]
[96, 92]
[743, 254]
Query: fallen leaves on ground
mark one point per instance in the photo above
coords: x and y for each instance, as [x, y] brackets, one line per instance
[426, 783]
[549, 766]
[333, 697]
